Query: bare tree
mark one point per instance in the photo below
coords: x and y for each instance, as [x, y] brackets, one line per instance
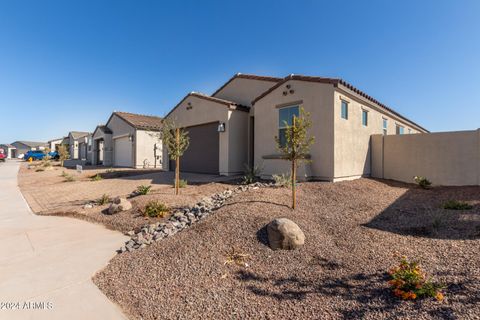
[63, 153]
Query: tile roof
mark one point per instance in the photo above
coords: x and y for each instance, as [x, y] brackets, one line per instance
[336, 82]
[7, 145]
[31, 144]
[247, 76]
[79, 134]
[140, 121]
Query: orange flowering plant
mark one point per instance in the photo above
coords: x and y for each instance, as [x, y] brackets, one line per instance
[409, 282]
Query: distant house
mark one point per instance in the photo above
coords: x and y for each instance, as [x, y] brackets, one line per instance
[80, 145]
[55, 143]
[10, 150]
[128, 140]
[23, 146]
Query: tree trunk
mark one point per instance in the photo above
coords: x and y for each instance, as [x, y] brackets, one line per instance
[177, 162]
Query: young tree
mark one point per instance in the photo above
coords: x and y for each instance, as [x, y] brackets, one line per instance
[295, 145]
[63, 153]
[177, 141]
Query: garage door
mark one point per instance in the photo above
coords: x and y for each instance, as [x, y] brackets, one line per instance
[203, 151]
[122, 152]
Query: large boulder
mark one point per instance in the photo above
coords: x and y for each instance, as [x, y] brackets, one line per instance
[284, 234]
[118, 205]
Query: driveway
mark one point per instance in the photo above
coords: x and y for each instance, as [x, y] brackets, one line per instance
[49, 261]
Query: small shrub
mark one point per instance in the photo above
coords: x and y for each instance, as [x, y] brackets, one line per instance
[282, 180]
[251, 174]
[236, 257]
[182, 183]
[64, 174]
[143, 190]
[155, 209]
[104, 199]
[457, 205]
[46, 162]
[96, 177]
[423, 182]
[409, 282]
[69, 178]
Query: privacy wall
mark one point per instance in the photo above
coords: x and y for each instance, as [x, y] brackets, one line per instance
[445, 158]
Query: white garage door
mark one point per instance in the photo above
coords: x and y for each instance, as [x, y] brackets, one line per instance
[123, 152]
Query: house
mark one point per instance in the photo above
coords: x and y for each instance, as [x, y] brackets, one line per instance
[23, 146]
[55, 143]
[128, 140]
[218, 125]
[10, 150]
[80, 145]
[237, 125]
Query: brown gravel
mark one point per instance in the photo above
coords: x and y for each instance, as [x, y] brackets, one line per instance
[352, 230]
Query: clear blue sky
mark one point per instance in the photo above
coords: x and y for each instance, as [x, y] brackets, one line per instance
[66, 65]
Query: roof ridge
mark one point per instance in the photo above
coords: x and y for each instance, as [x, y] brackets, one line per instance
[138, 114]
[246, 76]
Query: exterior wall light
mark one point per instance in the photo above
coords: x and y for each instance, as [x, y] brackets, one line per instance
[130, 138]
[221, 127]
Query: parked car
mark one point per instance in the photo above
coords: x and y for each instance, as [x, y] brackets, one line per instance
[54, 155]
[34, 155]
[3, 156]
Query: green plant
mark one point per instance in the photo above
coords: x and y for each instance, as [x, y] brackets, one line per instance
[409, 282]
[457, 205]
[96, 177]
[251, 173]
[294, 144]
[156, 209]
[182, 183]
[46, 163]
[143, 190]
[282, 180]
[423, 182]
[104, 199]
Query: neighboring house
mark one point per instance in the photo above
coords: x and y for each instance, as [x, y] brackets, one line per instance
[218, 125]
[55, 143]
[128, 140]
[238, 124]
[10, 150]
[23, 146]
[343, 121]
[80, 146]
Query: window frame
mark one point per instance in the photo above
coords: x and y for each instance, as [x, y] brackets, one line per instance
[364, 112]
[399, 129]
[281, 124]
[385, 126]
[342, 104]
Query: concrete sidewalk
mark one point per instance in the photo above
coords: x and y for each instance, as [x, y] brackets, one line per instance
[50, 260]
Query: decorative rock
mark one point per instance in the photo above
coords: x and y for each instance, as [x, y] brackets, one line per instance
[118, 205]
[88, 206]
[284, 234]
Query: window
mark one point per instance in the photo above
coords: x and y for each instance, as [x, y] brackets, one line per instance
[385, 126]
[409, 131]
[285, 116]
[399, 129]
[344, 110]
[365, 117]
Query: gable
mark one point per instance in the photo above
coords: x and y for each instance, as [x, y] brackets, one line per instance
[194, 110]
[243, 90]
[118, 126]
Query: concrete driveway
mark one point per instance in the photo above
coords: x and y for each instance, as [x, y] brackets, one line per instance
[46, 263]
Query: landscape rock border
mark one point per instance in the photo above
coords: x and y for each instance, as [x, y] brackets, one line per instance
[184, 218]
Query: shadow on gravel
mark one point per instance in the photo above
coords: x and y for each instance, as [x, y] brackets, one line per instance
[420, 213]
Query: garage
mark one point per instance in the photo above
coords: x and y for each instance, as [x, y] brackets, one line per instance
[202, 155]
[123, 152]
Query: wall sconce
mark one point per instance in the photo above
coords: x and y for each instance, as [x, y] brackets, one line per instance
[130, 138]
[221, 127]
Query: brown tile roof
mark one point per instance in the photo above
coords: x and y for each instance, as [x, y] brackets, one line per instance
[140, 121]
[229, 104]
[247, 76]
[335, 82]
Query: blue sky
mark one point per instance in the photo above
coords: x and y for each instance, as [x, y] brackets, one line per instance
[66, 65]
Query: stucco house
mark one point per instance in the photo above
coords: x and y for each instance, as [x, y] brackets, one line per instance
[237, 124]
[80, 146]
[128, 140]
[218, 125]
[55, 143]
[10, 150]
[23, 146]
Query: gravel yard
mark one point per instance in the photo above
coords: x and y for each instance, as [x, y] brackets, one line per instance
[352, 231]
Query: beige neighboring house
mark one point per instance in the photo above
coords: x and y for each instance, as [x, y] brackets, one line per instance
[80, 146]
[10, 150]
[128, 140]
[23, 146]
[218, 125]
[55, 143]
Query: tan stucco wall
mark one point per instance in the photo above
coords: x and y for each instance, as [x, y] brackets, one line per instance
[244, 91]
[445, 158]
[233, 151]
[145, 145]
[316, 98]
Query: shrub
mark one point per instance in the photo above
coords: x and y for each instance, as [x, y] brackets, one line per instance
[68, 177]
[423, 182]
[104, 199]
[143, 190]
[46, 162]
[251, 174]
[282, 180]
[182, 183]
[409, 282]
[64, 174]
[156, 209]
[236, 257]
[96, 177]
[457, 205]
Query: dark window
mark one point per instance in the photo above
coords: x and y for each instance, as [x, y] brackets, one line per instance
[285, 119]
[344, 113]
